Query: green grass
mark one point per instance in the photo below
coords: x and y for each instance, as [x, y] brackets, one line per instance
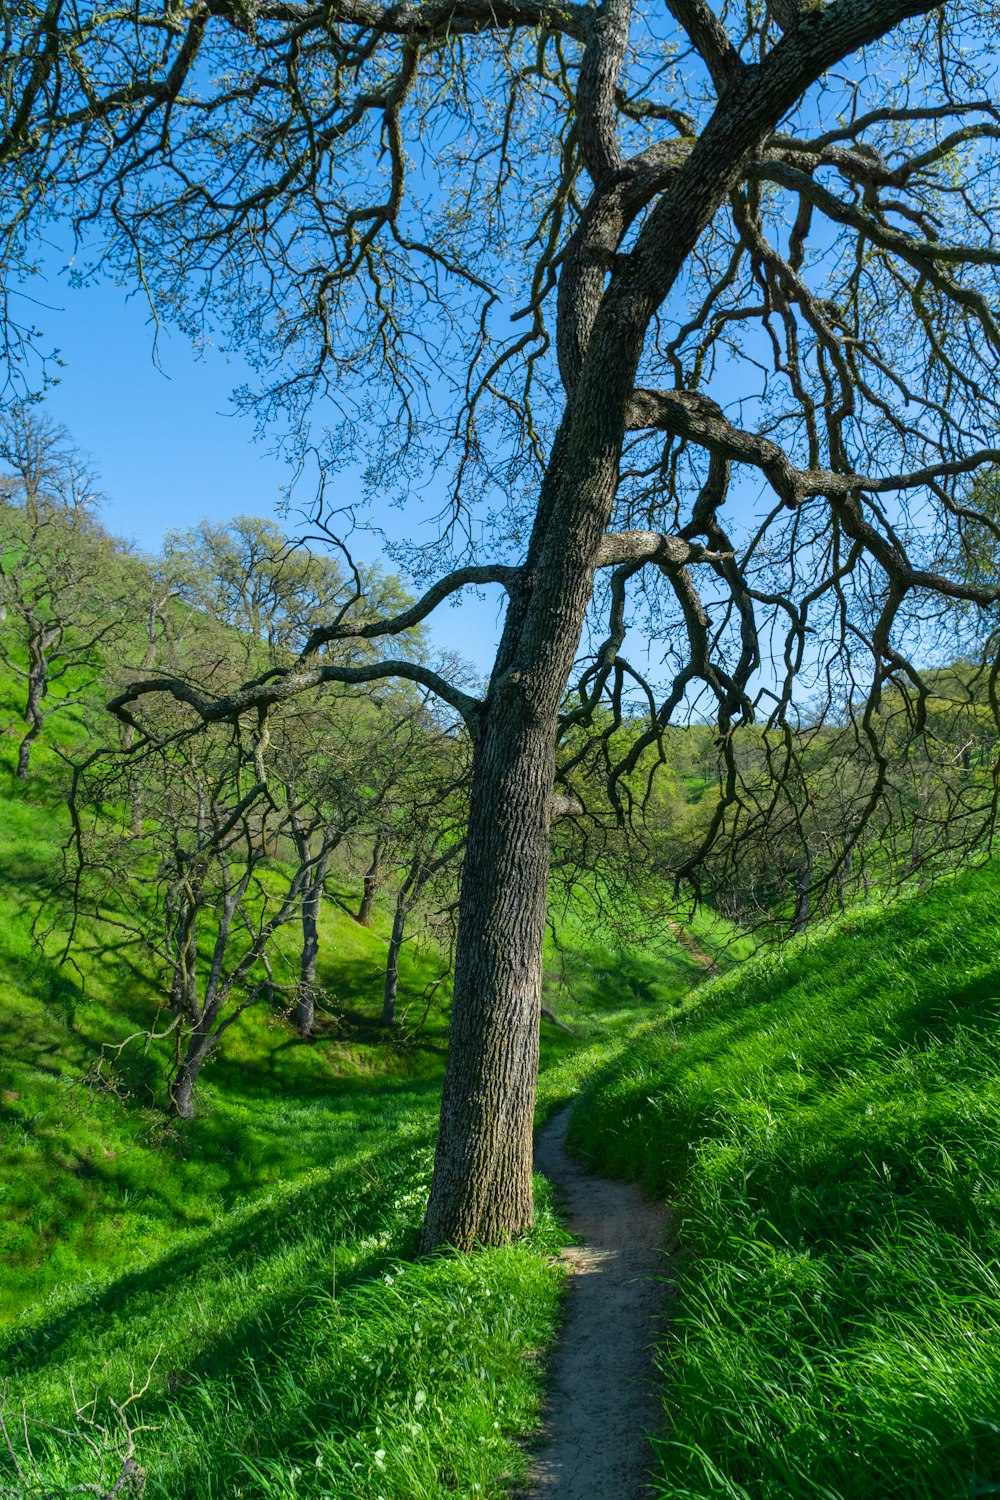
[256, 1260]
[256, 1263]
[293, 1333]
[827, 1120]
[93, 1176]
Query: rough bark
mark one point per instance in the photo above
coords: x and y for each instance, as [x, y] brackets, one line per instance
[33, 715]
[305, 996]
[482, 1174]
[24, 752]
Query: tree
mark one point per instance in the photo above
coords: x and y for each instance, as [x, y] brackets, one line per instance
[247, 574]
[373, 878]
[335, 761]
[196, 888]
[272, 590]
[62, 588]
[429, 814]
[339, 763]
[631, 233]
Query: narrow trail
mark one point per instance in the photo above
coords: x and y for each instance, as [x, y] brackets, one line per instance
[687, 940]
[602, 1396]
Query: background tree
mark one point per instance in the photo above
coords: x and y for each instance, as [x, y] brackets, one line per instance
[710, 219]
[63, 582]
[429, 812]
[373, 877]
[340, 763]
[334, 760]
[272, 590]
[197, 890]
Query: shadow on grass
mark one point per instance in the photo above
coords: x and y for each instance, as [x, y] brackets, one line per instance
[348, 1204]
[835, 1074]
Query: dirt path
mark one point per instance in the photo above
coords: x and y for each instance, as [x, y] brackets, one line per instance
[601, 1396]
[687, 940]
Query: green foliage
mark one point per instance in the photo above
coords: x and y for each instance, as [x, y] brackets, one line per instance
[826, 1120]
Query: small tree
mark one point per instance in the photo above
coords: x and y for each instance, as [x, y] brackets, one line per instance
[430, 809]
[62, 587]
[372, 880]
[338, 765]
[424, 868]
[335, 760]
[222, 902]
[197, 888]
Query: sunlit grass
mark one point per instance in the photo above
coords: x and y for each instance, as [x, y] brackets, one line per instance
[828, 1122]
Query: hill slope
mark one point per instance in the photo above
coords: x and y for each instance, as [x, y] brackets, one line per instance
[255, 1262]
[828, 1121]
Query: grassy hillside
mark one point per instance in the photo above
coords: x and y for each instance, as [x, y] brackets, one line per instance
[255, 1259]
[828, 1122]
[255, 1263]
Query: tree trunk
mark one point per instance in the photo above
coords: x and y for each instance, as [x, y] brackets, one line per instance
[392, 961]
[373, 880]
[482, 1189]
[803, 882]
[184, 1082]
[842, 876]
[482, 1186]
[305, 995]
[32, 713]
[24, 753]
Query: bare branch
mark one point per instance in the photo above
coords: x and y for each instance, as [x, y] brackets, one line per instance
[280, 686]
[709, 39]
[450, 584]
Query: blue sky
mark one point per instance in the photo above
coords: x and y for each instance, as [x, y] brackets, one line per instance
[165, 439]
[156, 417]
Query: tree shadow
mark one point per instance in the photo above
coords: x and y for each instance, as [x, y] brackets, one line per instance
[349, 1203]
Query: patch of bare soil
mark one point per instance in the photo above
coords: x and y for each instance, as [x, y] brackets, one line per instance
[602, 1396]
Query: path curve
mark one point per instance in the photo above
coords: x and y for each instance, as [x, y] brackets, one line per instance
[602, 1382]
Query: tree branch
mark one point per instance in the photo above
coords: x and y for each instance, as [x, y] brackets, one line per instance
[429, 18]
[710, 40]
[461, 578]
[691, 415]
[280, 686]
[649, 546]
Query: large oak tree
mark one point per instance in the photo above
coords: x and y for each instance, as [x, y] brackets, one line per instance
[592, 258]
